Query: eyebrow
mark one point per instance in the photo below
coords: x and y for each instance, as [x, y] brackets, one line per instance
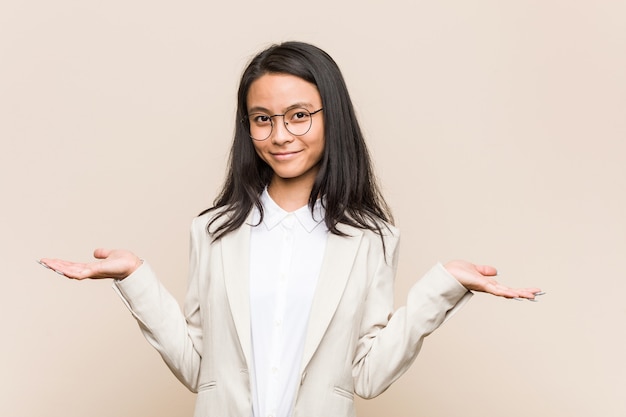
[261, 109]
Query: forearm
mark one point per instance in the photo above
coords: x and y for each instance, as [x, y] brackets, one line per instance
[385, 354]
[162, 323]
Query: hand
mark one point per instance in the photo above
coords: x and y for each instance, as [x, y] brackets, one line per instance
[480, 278]
[115, 264]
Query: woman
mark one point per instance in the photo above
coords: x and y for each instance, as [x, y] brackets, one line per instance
[289, 310]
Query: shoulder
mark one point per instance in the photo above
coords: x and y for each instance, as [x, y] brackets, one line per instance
[212, 219]
[383, 238]
[380, 229]
[203, 219]
[387, 231]
[208, 217]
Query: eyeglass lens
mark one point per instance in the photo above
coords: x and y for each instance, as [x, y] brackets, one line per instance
[297, 121]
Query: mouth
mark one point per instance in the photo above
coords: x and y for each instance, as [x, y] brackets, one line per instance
[284, 155]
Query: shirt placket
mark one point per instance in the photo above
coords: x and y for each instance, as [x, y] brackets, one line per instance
[278, 336]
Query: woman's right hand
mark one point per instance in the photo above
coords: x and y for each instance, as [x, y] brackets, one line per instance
[114, 264]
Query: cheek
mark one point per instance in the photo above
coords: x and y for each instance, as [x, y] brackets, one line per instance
[258, 148]
[321, 146]
[321, 140]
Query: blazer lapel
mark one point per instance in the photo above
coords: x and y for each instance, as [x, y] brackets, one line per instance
[236, 261]
[336, 267]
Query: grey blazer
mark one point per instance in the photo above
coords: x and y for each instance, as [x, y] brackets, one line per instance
[356, 343]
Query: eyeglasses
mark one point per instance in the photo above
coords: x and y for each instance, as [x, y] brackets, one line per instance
[297, 121]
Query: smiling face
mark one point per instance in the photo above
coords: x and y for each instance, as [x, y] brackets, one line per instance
[294, 159]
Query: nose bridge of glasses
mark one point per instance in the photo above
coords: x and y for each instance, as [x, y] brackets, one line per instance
[283, 125]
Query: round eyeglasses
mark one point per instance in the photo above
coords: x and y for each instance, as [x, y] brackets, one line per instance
[297, 121]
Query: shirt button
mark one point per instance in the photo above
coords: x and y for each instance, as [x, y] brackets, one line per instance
[274, 370]
[278, 322]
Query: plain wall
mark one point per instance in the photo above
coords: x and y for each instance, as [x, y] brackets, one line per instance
[498, 131]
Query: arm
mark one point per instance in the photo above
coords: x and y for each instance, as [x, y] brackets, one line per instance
[177, 336]
[390, 341]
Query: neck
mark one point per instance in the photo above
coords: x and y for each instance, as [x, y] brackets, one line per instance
[290, 194]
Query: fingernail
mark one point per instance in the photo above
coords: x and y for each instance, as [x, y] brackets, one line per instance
[42, 264]
[539, 293]
[534, 300]
[517, 299]
[60, 273]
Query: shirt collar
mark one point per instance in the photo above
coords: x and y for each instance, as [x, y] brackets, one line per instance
[273, 214]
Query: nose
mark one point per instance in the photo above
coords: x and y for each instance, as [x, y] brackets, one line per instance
[280, 135]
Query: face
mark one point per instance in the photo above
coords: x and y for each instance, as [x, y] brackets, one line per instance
[292, 158]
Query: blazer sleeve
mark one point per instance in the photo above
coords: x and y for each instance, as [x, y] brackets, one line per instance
[390, 341]
[175, 334]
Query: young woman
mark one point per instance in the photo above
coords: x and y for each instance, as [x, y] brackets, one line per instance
[289, 310]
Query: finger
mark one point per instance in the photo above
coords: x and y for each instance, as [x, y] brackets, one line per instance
[71, 270]
[44, 262]
[45, 265]
[101, 253]
[529, 293]
[68, 269]
[54, 264]
[502, 291]
[523, 293]
[487, 270]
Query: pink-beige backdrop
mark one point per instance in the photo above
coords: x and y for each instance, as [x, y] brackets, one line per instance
[498, 131]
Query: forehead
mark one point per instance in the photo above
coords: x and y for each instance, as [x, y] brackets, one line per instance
[277, 92]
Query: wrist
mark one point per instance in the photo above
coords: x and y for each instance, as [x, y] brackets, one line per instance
[133, 266]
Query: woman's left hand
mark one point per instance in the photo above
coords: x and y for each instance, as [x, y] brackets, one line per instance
[481, 278]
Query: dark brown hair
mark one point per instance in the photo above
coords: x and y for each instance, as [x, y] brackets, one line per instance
[345, 178]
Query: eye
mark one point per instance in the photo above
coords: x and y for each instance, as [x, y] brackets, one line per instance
[260, 119]
[299, 116]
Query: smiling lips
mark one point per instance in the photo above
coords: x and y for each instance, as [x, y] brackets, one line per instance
[284, 155]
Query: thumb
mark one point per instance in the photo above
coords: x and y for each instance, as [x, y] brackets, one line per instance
[101, 253]
[487, 270]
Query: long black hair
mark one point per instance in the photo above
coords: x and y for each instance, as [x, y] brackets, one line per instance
[345, 178]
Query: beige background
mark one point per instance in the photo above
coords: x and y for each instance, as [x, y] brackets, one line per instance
[498, 131]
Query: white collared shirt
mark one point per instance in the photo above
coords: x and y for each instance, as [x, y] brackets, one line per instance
[286, 252]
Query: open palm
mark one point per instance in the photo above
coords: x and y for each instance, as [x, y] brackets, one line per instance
[115, 264]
